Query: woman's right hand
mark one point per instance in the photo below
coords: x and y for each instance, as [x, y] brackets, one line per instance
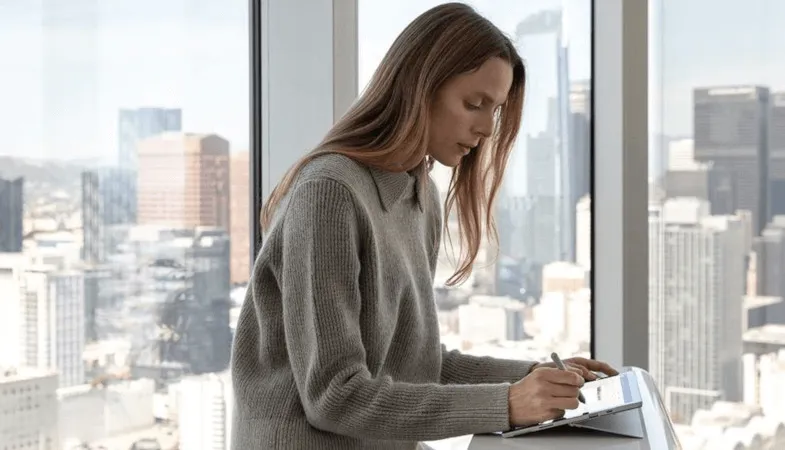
[544, 394]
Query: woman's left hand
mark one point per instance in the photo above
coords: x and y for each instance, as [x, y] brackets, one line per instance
[586, 366]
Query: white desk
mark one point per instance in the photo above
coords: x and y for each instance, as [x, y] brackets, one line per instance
[657, 427]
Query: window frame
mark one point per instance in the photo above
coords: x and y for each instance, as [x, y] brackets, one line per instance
[283, 83]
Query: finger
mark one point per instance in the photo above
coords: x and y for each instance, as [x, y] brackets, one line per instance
[594, 365]
[570, 377]
[584, 372]
[606, 369]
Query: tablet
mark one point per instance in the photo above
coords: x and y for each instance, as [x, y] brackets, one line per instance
[604, 396]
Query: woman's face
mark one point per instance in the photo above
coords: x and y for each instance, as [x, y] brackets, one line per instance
[462, 114]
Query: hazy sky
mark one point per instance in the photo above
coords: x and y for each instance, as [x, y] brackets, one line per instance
[66, 66]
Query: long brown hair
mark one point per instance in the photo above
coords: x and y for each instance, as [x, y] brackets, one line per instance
[387, 127]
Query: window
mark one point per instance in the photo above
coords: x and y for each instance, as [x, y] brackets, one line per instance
[535, 297]
[717, 206]
[124, 186]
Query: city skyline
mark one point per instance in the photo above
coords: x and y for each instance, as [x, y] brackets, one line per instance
[118, 45]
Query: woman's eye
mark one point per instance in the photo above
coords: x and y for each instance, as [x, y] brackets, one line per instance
[472, 106]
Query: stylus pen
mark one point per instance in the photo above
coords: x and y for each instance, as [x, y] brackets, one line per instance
[561, 366]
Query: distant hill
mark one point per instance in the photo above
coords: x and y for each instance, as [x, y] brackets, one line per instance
[52, 173]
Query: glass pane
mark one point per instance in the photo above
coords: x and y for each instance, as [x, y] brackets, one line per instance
[534, 298]
[717, 211]
[124, 212]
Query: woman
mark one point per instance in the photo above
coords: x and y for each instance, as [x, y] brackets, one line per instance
[337, 345]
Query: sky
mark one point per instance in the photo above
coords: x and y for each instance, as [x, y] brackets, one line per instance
[67, 66]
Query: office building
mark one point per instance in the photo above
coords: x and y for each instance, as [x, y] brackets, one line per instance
[53, 323]
[579, 152]
[92, 219]
[241, 223]
[731, 133]
[11, 214]
[184, 181]
[769, 253]
[777, 155]
[28, 406]
[205, 412]
[696, 286]
[135, 125]
[580, 138]
[12, 291]
[543, 151]
[98, 284]
[116, 187]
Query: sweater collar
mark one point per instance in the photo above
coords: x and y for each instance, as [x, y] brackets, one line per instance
[393, 185]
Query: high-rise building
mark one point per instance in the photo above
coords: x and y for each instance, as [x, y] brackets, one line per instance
[544, 151]
[731, 132]
[11, 214]
[134, 125]
[696, 288]
[205, 412]
[579, 152]
[92, 220]
[240, 216]
[53, 317]
[28, 402]
[769, 251]
[184, 180]
[117, 188]
[12, 266]
[777, 155]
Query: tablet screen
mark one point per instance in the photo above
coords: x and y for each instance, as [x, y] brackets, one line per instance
[603, 394]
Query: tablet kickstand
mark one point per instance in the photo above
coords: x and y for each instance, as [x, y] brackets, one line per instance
[624, 423]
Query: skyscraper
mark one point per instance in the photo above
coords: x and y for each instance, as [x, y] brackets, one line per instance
[696, 284]
[777, 155]
[731, 131]
[769, 250]
[53, 323]
[11, 215]
[544, 142]
[184, 180]
[135, 125]
[92, 219]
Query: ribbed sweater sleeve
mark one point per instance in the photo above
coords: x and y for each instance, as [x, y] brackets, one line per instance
[466, 369]
[322, 241]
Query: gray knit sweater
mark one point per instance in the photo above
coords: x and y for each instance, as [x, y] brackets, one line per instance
[337, 344]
